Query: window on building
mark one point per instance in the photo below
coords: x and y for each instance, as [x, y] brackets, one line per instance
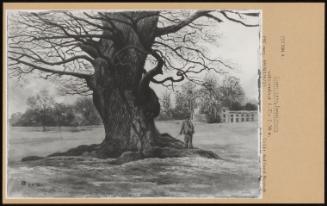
[236, 119]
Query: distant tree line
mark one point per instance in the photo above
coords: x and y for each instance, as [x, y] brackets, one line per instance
[185, 103]
[44, 111]
[209, 98]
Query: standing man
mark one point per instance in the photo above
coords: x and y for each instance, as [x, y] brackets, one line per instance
[188, 131]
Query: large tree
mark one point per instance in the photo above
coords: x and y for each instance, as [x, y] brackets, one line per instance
[232, 93]
[115, 56]
[166, 105]
[210, 98]
[186, 101]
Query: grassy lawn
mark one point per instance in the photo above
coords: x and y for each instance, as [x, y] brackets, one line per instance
[236, 175]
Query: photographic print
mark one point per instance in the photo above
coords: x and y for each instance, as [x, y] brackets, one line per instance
[133, 103]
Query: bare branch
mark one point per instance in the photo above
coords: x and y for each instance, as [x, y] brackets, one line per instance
[192, 61]
[41, 60]
[186, 22]
[148, 76]
[75, 74]
[180, 74]
[213, 17]
[236, 20]
[181, 24]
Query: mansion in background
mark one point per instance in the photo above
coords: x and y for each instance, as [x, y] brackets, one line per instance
[234, 116]
[230, 116]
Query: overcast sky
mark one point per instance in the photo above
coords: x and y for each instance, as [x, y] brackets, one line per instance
[237, 44]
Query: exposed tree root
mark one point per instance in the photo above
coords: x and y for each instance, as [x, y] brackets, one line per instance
[166, 146]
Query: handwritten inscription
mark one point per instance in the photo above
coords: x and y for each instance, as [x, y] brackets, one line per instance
[282, 46]
[275, 104]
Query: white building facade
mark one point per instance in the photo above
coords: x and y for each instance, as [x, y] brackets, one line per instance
[236, 116]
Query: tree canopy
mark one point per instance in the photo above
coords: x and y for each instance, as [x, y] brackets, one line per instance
[67, 43]
[115, 55]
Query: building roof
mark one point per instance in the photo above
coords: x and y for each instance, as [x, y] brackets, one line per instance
[242, 111]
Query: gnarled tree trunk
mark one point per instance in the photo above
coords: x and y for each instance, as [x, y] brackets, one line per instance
[121, 92]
